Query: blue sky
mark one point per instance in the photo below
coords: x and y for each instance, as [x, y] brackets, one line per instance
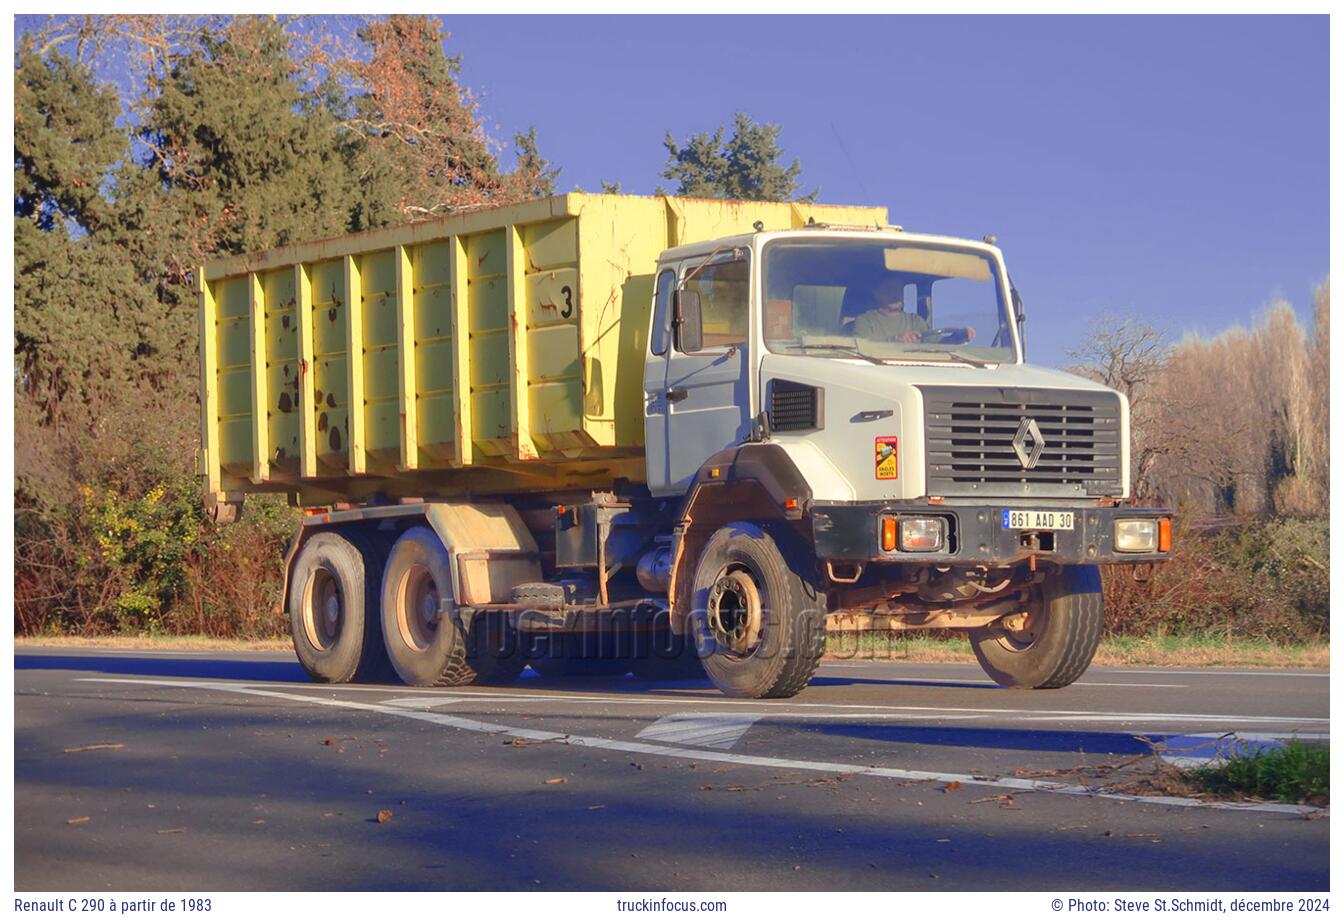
[1172, 167]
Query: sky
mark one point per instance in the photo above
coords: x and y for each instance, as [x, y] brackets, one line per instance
[1175, 168]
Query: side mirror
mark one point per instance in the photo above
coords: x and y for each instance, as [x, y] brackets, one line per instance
[1020, 310]
[688, 322]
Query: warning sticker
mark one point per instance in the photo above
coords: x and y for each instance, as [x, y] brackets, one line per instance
[885, 456]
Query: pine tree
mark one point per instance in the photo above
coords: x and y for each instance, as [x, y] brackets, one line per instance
[424, 150]
[745, 167]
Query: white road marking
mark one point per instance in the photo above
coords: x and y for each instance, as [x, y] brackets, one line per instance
[856, 709]
[720, 731]
[1218, 672]
[700, 754]
[989, 683]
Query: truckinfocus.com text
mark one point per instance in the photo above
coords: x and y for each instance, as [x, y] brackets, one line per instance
[658, 905]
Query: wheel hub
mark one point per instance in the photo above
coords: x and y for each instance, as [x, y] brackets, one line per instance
[734, 610]
[322, 609]
[418, 608]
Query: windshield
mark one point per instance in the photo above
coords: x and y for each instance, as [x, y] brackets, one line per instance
[884, 299]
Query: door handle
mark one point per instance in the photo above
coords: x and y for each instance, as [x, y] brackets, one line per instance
[677, 394]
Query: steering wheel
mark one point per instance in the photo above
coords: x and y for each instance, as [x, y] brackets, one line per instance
[950, 335]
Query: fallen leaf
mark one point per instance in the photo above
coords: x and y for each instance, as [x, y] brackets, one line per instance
[384, 816]
[259, 821]
[84, 820]
[173, 830]
[952, 786]
[94, 747]
[555, 781]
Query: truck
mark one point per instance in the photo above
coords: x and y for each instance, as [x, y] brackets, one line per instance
[608, 433]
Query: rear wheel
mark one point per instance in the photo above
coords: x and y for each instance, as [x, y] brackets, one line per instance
[427, 641]
[1054, 644]
[757, 618]
[333, 608]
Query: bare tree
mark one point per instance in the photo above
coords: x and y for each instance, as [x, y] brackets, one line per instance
[1128, 354]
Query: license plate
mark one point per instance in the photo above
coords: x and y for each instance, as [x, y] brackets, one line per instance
[1037, 520]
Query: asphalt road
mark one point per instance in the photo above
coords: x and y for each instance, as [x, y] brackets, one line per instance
[230, 771]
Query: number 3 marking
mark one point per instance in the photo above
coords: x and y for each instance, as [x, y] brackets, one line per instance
[568, 311]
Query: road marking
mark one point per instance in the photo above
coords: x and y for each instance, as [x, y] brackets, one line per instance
[790, 707]
[989, 683]
[1218, 672]
[1160, 718]
[700, 754]
[720, 731]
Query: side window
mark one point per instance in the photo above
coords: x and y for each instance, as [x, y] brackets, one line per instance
[724, 290]
[662, 312]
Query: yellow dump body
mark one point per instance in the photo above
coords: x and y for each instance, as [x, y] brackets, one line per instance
[493, 350]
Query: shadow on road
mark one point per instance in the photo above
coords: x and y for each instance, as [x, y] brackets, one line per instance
[206, 668]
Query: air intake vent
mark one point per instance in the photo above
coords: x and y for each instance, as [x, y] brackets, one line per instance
[1008, 442]
[794, 406]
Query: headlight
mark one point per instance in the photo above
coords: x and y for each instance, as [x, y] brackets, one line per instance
[915, 533]
[1136, 536]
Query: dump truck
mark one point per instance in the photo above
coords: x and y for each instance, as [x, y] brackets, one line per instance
[605, 433]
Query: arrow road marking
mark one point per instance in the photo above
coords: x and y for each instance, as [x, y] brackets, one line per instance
[720, 731]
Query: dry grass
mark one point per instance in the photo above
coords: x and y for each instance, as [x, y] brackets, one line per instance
[185, 643]
[1152, 651]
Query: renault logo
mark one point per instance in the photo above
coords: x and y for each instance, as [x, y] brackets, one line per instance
[1028, 443]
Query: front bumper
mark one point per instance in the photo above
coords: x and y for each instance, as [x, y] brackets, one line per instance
[976, 535]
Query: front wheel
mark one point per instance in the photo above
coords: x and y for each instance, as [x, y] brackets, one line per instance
[1054, 644]
[758, 620]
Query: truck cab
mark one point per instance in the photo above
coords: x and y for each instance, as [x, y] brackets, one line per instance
[872, 385]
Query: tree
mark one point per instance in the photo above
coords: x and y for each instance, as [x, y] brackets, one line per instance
[65, 141]
[1126, 353]
[423, 150]
[745, 167]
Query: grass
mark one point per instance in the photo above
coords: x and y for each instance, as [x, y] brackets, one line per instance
[185, 643]
[1296, 772]
[1151, 651]
[1163, 651]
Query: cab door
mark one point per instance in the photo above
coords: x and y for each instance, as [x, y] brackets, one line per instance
[655, 383]
[705, 395]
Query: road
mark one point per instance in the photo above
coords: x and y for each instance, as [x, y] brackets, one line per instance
[230, 771]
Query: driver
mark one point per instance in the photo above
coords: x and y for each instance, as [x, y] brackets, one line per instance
[888, 321]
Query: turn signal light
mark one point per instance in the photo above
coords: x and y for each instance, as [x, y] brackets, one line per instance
[888, 534]
[1164, 535]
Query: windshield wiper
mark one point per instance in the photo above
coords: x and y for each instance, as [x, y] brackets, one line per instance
[847, 349]
[978, 362]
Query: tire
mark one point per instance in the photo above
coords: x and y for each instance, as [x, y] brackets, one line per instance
[666, 656]
[1056, 646]
[576, 655]
[431, 650]
[758, 621]
[333, 609]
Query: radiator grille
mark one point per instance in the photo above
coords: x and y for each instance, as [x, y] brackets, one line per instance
[978, 438]
[794, 406]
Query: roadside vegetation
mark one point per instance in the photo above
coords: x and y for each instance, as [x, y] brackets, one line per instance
[1297, 772]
